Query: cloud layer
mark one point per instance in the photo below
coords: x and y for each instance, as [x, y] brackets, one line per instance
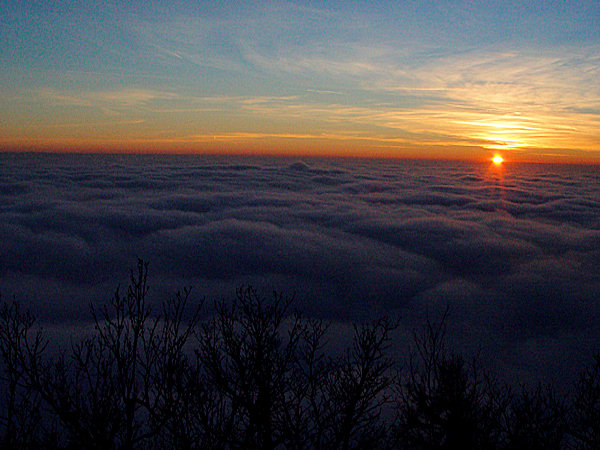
[514, 251]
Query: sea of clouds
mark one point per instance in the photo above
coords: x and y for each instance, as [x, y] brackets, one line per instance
[513, 251]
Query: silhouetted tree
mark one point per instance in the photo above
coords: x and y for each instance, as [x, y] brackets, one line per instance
[585, 414]
[444, 402]
[536, 419]
[21, 421]
[247, 357]
[257, 375]
[116, 385]
[273, 384]
[359, 387]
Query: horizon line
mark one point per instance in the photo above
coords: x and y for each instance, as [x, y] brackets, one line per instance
[280, 155]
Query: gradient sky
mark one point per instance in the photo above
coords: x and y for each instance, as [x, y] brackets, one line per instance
[444, 79]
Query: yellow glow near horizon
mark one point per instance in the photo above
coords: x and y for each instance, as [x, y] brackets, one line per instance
[497, 159]
[333, 130]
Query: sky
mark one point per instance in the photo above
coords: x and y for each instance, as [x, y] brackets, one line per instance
[411, 79]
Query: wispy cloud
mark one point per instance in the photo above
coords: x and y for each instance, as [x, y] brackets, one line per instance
[384, 74]
[97, 124]
[129, 97]
[511, 100]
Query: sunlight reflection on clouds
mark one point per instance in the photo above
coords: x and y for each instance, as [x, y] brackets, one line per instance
[513, 250]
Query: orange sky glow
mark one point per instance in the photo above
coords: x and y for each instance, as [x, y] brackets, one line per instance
[291, 79]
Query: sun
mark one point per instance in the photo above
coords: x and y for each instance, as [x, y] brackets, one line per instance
[497, 159]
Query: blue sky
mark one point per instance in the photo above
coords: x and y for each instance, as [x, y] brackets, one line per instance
[418, 79]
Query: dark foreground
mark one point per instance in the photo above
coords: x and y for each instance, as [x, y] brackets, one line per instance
[258, 375]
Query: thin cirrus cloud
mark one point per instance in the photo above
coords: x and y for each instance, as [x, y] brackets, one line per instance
[511, 100]
[109, 98]
[520, 78]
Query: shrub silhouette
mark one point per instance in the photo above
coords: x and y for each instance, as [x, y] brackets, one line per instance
[113, 388]
[251, 376]
[20, 419]
[275, 385]
[536, 419]
[255, 374]
[357, 389]
[445, 402]
[585, 414]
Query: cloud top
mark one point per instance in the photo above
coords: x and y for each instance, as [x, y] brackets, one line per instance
[514, 251]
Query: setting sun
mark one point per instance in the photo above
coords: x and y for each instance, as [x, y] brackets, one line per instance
[497, 159]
